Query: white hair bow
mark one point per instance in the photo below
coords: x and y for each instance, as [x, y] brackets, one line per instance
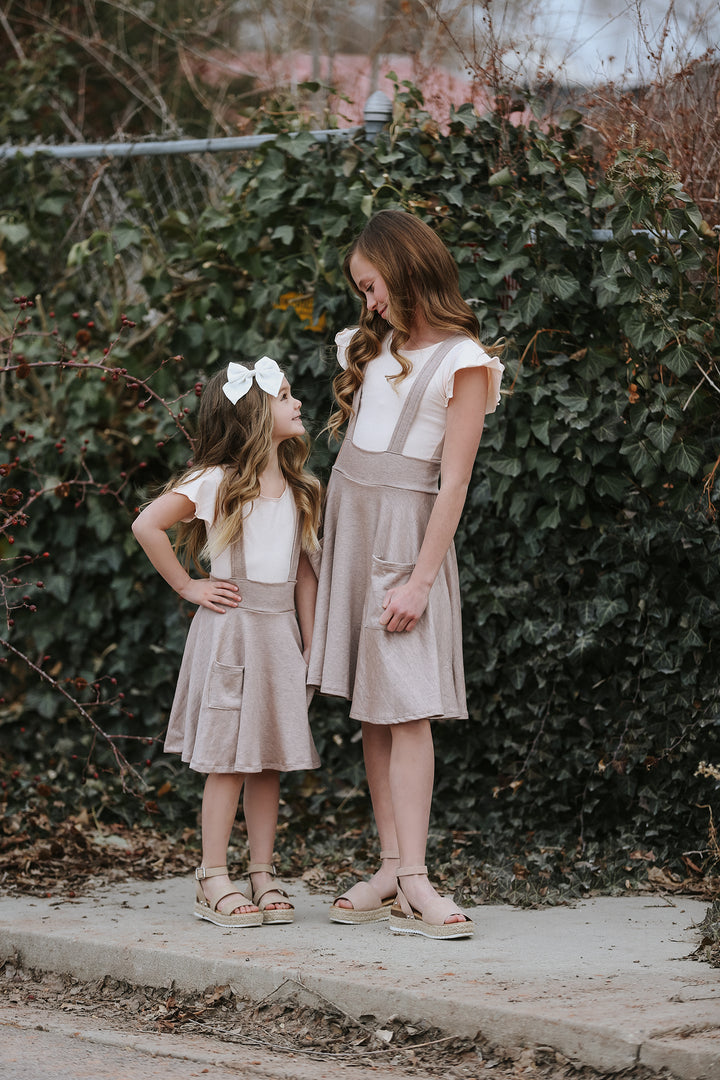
[266, 373]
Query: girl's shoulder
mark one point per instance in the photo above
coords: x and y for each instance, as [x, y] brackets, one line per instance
[468, 353]
[200, 486]
[209, 476]
[342, 340]
[467, 347]
[344, 337]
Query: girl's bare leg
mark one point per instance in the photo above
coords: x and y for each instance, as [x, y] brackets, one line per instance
[219, 807]
[411, 775]
[377, 744]
[261, 802]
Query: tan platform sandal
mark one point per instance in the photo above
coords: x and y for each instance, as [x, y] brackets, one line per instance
[205, 910]
[277, 915]
[405, 919]
[367, 904]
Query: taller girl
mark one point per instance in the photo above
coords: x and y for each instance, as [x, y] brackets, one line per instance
[415, 387]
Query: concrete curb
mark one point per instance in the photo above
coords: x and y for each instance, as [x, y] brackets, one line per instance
[606, 983]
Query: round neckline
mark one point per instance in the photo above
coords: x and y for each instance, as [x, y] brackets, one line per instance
[424, 348]
[275, 498]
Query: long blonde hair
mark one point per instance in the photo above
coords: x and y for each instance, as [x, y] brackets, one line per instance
[422, 278]
[239, 439]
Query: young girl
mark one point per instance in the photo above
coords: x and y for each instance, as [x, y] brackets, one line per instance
[240, 708]
[415, 387]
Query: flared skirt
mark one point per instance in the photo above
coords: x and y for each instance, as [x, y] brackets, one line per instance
[241, 701]
[372, 538]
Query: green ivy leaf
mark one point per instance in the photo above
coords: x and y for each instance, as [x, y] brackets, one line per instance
[639, 456]
[561, 285]
[549, 517]
[501, 178]
[685, 456]
[556, 221]
[575, 181]
[506, 466]
[609, 609]
[680, 359]
[284, 233]
[612, 485]
[661, 433]
[614, 258]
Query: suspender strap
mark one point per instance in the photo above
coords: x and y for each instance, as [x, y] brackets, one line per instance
[412, 402]
[292, 576]
[237, 552]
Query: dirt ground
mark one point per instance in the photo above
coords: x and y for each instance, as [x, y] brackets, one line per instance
[278, 1027]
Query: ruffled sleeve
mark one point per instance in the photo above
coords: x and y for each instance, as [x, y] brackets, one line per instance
[469, 354]
[202, 489]
[342, 340]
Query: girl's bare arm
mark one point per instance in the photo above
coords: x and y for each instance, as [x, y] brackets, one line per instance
[305, 594]
[150, 529]
[466, 417]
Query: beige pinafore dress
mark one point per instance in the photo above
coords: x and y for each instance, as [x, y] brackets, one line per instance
[241, 701]
[377, 509]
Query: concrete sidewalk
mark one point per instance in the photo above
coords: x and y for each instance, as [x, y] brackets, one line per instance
[606, 983]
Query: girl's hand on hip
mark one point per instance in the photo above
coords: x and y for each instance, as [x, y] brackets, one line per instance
[212, 594]
[403, 606]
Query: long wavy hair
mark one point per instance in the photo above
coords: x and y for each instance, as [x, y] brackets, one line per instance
[239, 438]
[422, 278]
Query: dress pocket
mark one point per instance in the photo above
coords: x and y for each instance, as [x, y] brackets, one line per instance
[225, 686]
[397, 676]
[384, 575]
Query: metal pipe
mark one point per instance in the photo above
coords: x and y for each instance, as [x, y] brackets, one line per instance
[176, 146]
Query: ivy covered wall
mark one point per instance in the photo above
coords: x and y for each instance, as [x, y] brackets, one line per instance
[589, 546]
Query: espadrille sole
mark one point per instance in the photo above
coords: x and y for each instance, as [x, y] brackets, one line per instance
[349, 916]
[403, 925]
[249, 918]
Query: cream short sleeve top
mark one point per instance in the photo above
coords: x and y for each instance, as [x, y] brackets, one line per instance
[382, 401]
[268, 528]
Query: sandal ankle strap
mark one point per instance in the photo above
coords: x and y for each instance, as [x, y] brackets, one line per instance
[202, 872]
[408, 871]
[389, 854]
[261, 868]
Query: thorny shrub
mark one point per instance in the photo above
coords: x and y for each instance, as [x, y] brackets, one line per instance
[675, 114]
